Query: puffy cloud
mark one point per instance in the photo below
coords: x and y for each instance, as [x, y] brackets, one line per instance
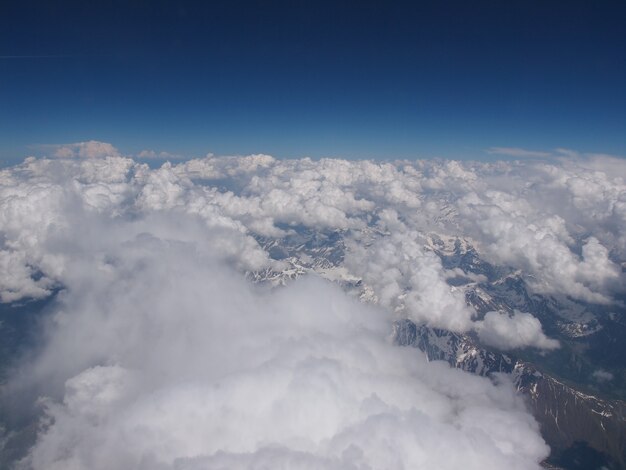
[27, 216]
[410, 280]
[46, 205]
[562, 224]
[161, 358]
[213, 167]
[158, 354]
[513, 331]
[18, 278]
[552, 221]
[89, 149]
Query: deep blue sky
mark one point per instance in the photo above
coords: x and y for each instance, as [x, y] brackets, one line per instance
[364, 78]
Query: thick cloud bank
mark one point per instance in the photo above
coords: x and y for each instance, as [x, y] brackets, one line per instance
[170, 360]
[158, 351]
[562, 224]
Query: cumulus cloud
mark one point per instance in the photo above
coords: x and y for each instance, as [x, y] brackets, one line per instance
[560, 223]
[90, 149]
[410, 281]
[513, 331]
[161, 358]
[158, 353]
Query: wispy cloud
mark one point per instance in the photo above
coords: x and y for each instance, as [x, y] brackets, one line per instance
[518, 152]
[563, 152]
[602, 375]
[559, 152]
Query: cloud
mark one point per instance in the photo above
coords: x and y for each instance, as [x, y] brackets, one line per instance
[518, 152]
[151, 154]
[158, 352]
[156, 357]
[410, 281]
[602, 375]
[513, 331]
[567, 152]
[90, 149]
[561, 224]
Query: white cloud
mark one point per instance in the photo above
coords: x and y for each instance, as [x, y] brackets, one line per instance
[567, 152]
[513, 331]
[409, 280]
[602, 375]
[151, 154]
[170, 360]
[159, 353]
[90, 149]
[562, 224]
[17, 278]
[536, 223]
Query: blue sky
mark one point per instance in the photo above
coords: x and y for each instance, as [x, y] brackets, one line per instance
[295, 78]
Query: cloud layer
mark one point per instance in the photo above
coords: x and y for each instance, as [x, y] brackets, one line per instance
[158, 353]
[165, 358]
[562, 223]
